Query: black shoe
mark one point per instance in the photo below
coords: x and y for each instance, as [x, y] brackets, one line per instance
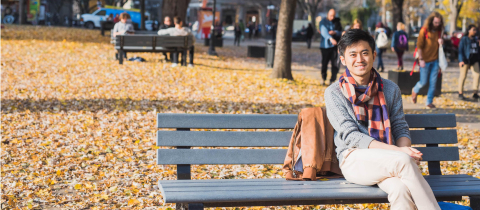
[475, 96]
[461, 97]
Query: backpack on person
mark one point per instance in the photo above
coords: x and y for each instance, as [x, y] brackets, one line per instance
[382, 40]
[402, 42]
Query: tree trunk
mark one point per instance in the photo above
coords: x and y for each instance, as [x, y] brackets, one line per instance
[21, 12]
[174, 8]
[142, 13]
[282, 67]
[397, 13]
[313, 16]
[455, 8]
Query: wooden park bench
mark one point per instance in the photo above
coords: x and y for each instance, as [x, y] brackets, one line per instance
[198, 194]
[153, 43]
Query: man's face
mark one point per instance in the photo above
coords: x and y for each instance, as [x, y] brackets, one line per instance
[124, 20]
[167, 21]
[331, 14]
[436, 22]
[359, 58]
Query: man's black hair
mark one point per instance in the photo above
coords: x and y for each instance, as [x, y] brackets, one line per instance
[353, 36]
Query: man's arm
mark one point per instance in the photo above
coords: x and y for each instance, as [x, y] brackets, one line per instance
[324, 31]
[398, 124]
[461, 56]
[343, 123]
[420, 42]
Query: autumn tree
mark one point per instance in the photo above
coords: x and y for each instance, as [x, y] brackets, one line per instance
[310, 7]
[282, 66]
[175, 8]
[455, 7]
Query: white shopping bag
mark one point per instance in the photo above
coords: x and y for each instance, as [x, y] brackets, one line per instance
[442, 60]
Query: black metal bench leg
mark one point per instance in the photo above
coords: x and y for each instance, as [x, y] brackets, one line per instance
[120, 56]
[475, 202]
[184, 58]
[195, 206]
[192, 49]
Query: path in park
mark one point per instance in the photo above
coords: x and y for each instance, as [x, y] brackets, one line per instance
[308, 62]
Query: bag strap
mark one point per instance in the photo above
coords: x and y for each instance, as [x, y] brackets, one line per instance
[293, 151]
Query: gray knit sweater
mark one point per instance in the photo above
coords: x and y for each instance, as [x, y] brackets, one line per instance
[350, 133]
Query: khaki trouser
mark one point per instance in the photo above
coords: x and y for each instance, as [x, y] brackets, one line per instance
[463, 75]
[394, 172]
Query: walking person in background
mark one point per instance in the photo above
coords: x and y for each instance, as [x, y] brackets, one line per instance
[357, 24]
[238, 34]
[242, 27]
[400, 44]
[309, 35]
[251, 30]
[328, 46]
[381, 41]
[273, 30]
[428, 42]
[469, 58]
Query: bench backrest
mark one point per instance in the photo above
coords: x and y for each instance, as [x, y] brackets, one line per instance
[151, 41]
[183, 138]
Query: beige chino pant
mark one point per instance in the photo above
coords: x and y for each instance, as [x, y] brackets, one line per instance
[463, 75]
[394, 172]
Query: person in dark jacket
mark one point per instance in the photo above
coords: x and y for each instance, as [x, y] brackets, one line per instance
[238, 34]
[469, 58]
[309, 35]
[167, 23]
[400, 44]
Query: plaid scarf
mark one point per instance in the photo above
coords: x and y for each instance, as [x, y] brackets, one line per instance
[372, 100]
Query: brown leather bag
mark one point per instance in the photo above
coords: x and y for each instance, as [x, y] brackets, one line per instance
[313, 135]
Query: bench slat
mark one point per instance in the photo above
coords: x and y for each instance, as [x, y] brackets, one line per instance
[274, 139]
[434, 136]
[288, 185]
[227, 121]
[166, 184]
[266, 156]
[300, 193]
[431, 120]
[223, 139]
[327, 186]
[277, 121]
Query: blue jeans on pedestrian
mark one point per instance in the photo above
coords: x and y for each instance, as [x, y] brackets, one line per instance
[428, 74]
[379, 58]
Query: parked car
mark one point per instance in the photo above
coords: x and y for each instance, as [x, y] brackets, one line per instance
[92, 21]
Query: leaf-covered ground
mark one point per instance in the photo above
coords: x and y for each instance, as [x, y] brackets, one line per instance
[78, 129]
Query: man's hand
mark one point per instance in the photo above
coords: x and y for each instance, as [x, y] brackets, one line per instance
[412, 152]
[421, 63]
[440, 41]
[461, 64]
[334, 42]
[332, 32]
[393, 49]
[417, 160]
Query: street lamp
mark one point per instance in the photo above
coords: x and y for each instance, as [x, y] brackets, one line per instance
[211, 49]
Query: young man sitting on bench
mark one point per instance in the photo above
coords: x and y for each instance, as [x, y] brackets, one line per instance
[371, 134]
